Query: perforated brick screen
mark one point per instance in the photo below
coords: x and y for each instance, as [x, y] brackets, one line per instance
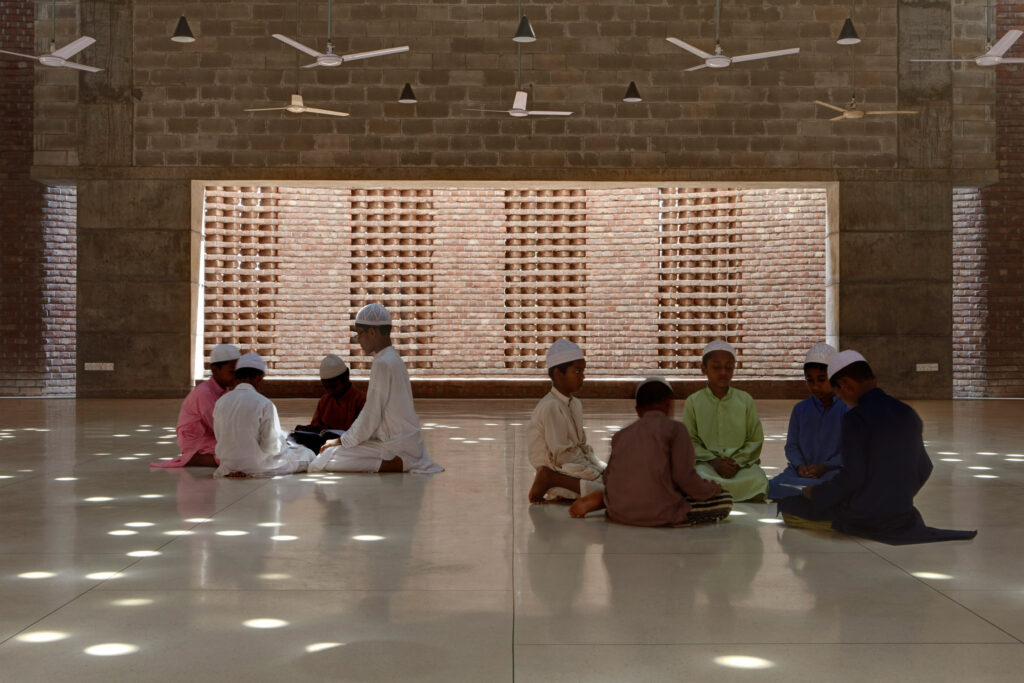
[481, 280]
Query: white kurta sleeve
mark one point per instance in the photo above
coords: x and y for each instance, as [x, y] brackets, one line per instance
[370, 416]
[270, 430]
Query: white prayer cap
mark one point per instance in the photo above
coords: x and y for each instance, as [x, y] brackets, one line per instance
[820, 354]
[374, 315]
[652, 380]
[222, 353]
[332, 366]
[562, 351]
[251, 360]
[719, 345]
[843, 359]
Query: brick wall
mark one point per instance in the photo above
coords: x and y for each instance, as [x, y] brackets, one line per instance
[988, 302]
[482, 280]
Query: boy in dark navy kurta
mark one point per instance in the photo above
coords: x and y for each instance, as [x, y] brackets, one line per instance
[884, 466]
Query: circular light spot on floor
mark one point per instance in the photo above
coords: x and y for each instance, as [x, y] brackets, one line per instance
[284, 537]
[367, 537]
[111, 649]
[987, 453]
[737, 513]
[986, 476]
[41, 637]
[6, 476]
[768, 438]
[743, 662]
[66, 479]
[978, 467]
[768, 467]
[948, 453]
[770, 520]
[490, 424]
[101, 454]
[152, 495]
[265, 623]
[275, 577]
[320, 647]
[104, 576]
[26, 470]
[142, 430]
[142, 454]
[122, 436]
[36, 575]
[1014, 459]
[470, 441]
[132, 602]
[143, 553]
[198, 520]
[271, 524]
[612, 427]
[98, 499]
[429, 424]
[122, 532]
[515, 424]
[931, 575]
[456, 438]
[486, 438]
[139, 524]
[232, 532]
[952, 460]
[179, 532]
[606, 438]
[1011, 455]
[127, 457]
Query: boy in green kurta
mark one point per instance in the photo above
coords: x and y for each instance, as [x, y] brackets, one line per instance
[725, 430]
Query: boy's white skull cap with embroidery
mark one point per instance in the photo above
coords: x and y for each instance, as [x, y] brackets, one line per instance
[332, 366]
[252, 360]
[821, 354]
[651, 380]
[562, 351]
[374, 315]
[719, 345]
[843, 359]
[222, 353]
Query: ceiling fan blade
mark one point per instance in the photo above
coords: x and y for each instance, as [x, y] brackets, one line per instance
[698, 67]
[267, 109]
[311, 66]
[328, 112]
[1004, 43]
[297, 45]
[894, 111]
[1011, 60]
[18, 54]
[74, 47]
[82, 67]
[766, 55]
[837, 118]
[942, 60]
[374, 53]
[492, 111]
[830, 106]
[689, 48]
[548, 113]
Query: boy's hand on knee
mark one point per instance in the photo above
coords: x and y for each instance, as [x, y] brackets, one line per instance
[330, 444]
[806, 492]
[726, 467]
[815, 471]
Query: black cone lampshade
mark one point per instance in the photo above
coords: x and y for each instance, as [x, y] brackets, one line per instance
[407, 96]
[524, 34]
[848, 34]
[632, 93]
[183, 34]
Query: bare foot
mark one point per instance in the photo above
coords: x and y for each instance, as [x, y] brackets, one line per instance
[393, 465]
[236, 475]
[541, 483]
[586, 504]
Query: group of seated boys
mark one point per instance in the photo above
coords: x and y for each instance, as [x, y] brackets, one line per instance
[854, 464]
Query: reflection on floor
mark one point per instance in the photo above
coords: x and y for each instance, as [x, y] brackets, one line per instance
[113, 572]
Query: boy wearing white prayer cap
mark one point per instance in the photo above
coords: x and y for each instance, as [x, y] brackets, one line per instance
[725, 429]
[558, 449]
[884, 466]
[336, 410]
[250, 441]
[195, 419]
[386, 436]
[815, 426]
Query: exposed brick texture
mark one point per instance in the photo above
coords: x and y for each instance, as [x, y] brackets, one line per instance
[481, 280]
[37, 238]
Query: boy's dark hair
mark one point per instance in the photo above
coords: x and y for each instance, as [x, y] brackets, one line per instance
[652, 393]
[248, 373]
[859, 371]
[563, 368]
[385, 330]
[815, 366]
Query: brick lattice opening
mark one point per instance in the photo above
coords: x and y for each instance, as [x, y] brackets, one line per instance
[481, 280]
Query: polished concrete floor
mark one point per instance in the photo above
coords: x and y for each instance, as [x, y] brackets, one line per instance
[112, 572]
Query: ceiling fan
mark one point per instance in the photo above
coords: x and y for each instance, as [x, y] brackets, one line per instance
[519, 109]
[60, 57]
[852, 112]
[329, 58]
[993, 56]
[719, 60]
[296, 106]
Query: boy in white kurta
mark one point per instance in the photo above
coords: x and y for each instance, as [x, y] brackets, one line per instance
[250, 441]
[565, 463]
[386, 436]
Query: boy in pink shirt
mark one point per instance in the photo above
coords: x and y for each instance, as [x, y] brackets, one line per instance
[195, 421]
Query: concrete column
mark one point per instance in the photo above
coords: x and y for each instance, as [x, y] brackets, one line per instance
[134, 292]
[925, 140]
[892, 278]
[106, 105]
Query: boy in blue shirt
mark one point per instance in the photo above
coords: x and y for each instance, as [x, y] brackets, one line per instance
[812, 443]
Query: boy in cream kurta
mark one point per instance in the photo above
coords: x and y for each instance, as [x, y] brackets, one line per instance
[386, 436]
[725, 429]
[558, 449]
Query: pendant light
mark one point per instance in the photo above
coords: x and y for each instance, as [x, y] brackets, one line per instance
[183, 34]
[848, 34]
[632, 93]
[407, 96]
[524, 34]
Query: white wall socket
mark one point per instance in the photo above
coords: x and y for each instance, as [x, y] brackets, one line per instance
[99, 367]
[927, 367]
